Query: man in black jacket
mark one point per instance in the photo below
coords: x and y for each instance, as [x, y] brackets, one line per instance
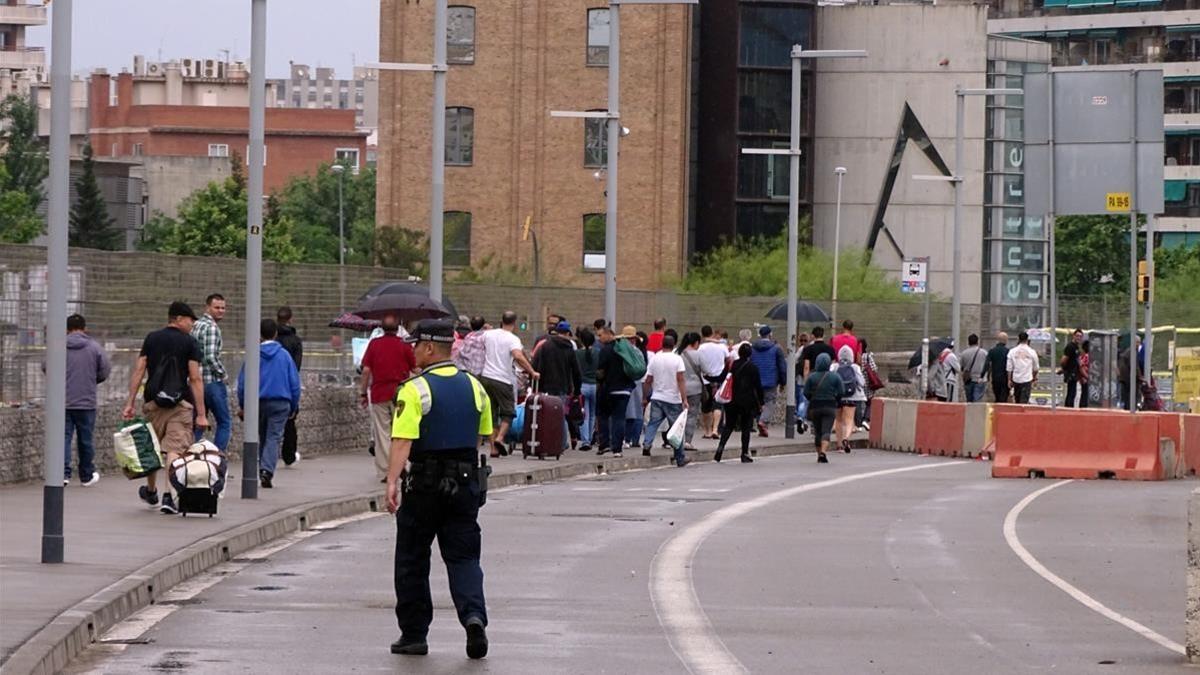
[561, 376]
[997, 367]
[293, 345]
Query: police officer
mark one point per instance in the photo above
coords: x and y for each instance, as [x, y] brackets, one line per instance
[439, 419]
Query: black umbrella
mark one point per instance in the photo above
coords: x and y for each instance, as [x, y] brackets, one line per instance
[409, 301]
[806, 312]
[936, 347]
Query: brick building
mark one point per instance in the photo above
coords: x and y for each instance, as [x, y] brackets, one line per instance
[511, 63]
[157, 116]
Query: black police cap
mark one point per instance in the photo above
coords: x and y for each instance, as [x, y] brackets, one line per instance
[433, 330]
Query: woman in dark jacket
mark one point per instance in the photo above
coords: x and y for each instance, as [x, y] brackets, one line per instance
[742, 412]
[823, 389]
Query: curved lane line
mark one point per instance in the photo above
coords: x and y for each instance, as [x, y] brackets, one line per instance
[673, 592]
[1010, 535]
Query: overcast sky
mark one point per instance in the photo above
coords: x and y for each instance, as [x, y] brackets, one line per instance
[108, 33]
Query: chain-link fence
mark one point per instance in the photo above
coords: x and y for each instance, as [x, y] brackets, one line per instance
[125, 295]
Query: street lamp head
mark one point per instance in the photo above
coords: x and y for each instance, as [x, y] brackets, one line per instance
[624, 131]
[841, 170]
[337, 168]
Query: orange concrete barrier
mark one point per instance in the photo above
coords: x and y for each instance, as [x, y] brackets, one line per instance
[939, 428]
[1061, 444]
[1191, 443]
[878, 416]
[1170, 428]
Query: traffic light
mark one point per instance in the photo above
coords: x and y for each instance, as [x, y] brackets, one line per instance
[1143, 282]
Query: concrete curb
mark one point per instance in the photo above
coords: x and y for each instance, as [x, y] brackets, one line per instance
[71, 632]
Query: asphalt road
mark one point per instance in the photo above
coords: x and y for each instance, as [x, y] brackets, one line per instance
[797, 568]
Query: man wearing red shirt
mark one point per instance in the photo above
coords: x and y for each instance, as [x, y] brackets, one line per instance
[654, 340]
[846, 339]
[387, 363]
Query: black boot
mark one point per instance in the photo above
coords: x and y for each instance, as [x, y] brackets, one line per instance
[410, 646]
[821, 458]
[477, 642]
[746, 459]
[720, 451]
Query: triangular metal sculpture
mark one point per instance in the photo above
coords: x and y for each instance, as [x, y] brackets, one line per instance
[910, 130]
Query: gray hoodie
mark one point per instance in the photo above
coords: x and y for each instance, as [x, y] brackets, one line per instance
[87, 366]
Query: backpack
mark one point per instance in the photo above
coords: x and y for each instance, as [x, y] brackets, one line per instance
[631, 358]
[849, 384]
[165, 386]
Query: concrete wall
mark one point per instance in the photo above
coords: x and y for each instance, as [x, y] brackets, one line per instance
[858, 113]
[330, 421]
[169, 179]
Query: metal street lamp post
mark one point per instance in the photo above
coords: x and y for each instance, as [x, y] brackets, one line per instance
[957, 179]
[59, 179]
[837, 240]
[437, 199]
[254, 241]
[615, 132]
[793, 153]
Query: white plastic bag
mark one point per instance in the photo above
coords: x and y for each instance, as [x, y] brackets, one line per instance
[675, 433]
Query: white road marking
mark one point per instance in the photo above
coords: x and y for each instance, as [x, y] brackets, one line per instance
[1010, 535]
[673, 592]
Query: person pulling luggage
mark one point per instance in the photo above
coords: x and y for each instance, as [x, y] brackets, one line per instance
[441, 417]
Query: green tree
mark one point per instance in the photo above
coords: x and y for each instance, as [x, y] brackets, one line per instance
[759, 267]
[91, 226]
[25, 158]
[19, 222]
[212, 222]
[311, 202]
[400, 248]
[1092, 254]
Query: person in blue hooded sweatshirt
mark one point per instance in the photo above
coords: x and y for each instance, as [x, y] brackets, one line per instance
[768, 357]
[278, 398]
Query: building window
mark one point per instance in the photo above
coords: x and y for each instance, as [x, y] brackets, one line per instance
[595, 142]
[593, 242]
[347, 156]
[768, 33]
[460, 35]
[597, 37]
[765, 103]
[218, 150]
[137, 149]
[457, 238]
[296, 101]
[343, 100]
[460, 136]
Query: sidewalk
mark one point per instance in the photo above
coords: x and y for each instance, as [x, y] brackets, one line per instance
[110, 535]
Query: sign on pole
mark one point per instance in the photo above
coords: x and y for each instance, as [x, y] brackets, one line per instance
[914, 275]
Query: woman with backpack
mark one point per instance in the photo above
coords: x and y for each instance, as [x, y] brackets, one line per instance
[689, 349]
[853, 393]
[823, 390]
[743, 409]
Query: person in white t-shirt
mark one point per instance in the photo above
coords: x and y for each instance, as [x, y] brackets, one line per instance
[502, 349]
[712, 356]
[668, 395]
[1022, 369]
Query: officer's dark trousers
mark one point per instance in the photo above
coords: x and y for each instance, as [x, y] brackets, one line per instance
[453, 520]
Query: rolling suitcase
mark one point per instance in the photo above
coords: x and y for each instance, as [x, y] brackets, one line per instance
[545, 426]
[198, 477]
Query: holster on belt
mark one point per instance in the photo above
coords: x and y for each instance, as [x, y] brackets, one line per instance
[442, 476]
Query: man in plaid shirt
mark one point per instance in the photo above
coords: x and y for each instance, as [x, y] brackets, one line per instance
[472, 352]
[216, 394]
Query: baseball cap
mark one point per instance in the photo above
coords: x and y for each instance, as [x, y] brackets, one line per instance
[764, 331]
[432, 330]
[563, 327]
[178, 309]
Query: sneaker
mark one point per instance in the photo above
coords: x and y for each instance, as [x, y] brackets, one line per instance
[264, 478]
[866, 425]
[747, 459]
[645, 452]
[410, 647]
[95, 479]
[585, 448]
[294, 462]
[762, 430]
[477, 642]
[168, 504]
[618, 455]
[148, 496]
[683, 462]
[821, 458]
[66, 482]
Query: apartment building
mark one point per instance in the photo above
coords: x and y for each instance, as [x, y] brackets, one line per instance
[20, 65]
[319, 88]
[510, 63]
[1105, 34]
